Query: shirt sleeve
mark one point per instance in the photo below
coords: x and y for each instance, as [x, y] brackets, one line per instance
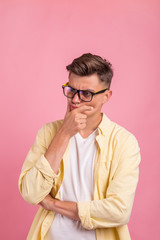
[37, 177]
[115, 209]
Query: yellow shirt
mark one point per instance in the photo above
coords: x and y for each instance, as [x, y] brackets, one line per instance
[115, 179]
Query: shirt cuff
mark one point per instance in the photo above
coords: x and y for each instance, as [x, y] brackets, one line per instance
[84, 214]
[44, 167]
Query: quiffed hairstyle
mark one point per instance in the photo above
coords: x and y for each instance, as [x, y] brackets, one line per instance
[89, 64]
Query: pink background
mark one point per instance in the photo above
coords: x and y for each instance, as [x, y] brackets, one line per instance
[37, 40]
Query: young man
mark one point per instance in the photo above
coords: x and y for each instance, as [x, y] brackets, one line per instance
[83, 171]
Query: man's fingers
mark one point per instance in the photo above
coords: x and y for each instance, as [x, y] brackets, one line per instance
[81, 120]
[80, 116]
[84, 109]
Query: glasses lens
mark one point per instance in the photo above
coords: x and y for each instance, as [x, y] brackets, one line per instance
[86, 96]
[68, 92]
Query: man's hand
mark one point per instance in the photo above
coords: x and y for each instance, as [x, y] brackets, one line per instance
[68, 209]
[75, 120]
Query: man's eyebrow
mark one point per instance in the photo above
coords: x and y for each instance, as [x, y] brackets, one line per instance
[90, 90]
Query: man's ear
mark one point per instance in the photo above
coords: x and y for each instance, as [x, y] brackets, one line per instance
[107, 96]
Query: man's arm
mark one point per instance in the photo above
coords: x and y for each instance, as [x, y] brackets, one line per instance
[114, 210]
[74, 121]
[66, 208]
[40, 168]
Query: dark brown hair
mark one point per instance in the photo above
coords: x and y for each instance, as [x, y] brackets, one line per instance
[89, 64]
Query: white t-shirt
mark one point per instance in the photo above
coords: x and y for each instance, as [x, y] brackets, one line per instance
[77, 186]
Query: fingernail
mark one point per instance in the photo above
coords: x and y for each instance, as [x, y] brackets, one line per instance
[91, 108]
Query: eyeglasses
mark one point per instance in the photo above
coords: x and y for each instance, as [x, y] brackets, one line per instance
[84, 95]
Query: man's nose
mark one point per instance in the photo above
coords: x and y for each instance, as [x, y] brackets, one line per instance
[76, 98]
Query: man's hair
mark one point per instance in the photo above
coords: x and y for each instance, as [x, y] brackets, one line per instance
[89, 64]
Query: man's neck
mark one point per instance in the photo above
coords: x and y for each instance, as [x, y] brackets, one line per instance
[92, 124]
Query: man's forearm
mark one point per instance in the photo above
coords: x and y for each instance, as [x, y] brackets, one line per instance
[56, 149]
[68, 209]
[65, 208]
[74, 121]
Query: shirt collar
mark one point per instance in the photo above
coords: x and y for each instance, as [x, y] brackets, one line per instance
[104, 125]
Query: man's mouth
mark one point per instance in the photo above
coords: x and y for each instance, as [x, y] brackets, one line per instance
[72, 107]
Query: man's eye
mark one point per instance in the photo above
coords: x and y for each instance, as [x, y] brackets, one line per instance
[86, 94]
[71, 90]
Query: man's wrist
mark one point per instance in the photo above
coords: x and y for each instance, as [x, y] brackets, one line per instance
[64, 133]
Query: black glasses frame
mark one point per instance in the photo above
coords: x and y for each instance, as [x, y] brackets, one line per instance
[78, 91]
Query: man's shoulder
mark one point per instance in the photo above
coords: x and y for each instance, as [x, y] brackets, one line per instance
[51, 128]
[54, 125]
[121, 131]
[118, 132]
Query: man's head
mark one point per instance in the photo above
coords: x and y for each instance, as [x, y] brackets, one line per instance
[89, 64]
[88, 75]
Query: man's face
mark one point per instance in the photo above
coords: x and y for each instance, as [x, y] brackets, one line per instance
[90, 83]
